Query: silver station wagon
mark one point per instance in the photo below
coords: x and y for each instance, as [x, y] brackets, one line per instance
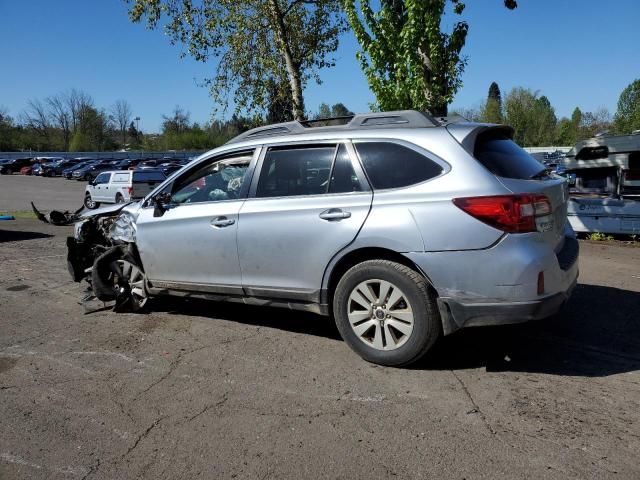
[402, 226]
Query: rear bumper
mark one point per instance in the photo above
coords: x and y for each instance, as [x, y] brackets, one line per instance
[499, 285]
[455, 312]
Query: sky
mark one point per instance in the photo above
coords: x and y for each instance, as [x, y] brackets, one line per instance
[576, 52]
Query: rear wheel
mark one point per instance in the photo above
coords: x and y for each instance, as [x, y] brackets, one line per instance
[386, 312]
[8, 171]
[119, 198]
[90, 203]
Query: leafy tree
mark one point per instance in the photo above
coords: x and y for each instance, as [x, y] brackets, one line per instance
[80, 142]
[492, 112]
[254, 40]
[409, 61]
[339, 110]
[532, 117]
[595, 122]
[178, 122]
[324, 111]
[627, 118]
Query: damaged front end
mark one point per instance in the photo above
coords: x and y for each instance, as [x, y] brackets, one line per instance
[102, 252]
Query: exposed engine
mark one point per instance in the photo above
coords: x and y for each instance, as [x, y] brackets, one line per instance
[103, 253]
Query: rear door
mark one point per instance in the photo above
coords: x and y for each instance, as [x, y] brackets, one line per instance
[307, 202]
[119, 185]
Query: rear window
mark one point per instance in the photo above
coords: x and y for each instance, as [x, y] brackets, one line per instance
[144, 177]
[389, 165]
[504, 158]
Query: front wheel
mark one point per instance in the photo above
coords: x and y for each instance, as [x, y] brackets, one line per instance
[386, 312]
[90, 203]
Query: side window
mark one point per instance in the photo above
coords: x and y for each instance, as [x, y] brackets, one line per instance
[296, 171]
[103, 178]
[215, 181]
[120, 177]
[343, 177]
[390, 165]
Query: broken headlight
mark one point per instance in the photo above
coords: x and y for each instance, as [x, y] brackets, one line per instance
[124, 228]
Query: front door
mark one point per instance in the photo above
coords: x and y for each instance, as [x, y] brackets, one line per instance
[192, 245]
[307, 204]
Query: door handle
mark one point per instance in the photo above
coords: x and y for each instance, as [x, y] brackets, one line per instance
[334, 214]
[222, 222]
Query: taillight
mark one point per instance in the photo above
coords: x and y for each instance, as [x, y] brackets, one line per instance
[130, 190]
[510, 213]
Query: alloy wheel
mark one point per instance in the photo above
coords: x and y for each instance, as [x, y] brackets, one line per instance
[380, 314]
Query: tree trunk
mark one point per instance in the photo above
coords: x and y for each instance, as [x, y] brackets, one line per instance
[293, 70]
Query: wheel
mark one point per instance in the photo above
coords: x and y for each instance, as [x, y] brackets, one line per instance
[88, 177]
[386, 312]
[133, 278]
[8, 171]
[90, 203]
[119, 198]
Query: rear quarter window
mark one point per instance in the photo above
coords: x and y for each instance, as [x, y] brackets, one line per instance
[120, 178]
[391, 165]
[145, 177]
[504, 158]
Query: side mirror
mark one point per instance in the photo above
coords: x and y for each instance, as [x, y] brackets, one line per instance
[162, 203]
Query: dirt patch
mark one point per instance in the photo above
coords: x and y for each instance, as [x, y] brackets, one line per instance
[7, 363]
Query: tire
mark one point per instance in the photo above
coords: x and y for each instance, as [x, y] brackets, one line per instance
[119, 198]
[8, 171]
[88, 177]
[412, 323]
[89, 203]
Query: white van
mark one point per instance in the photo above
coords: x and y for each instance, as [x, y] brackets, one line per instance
[121, 186]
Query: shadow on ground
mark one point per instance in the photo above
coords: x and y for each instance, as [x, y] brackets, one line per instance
[598, 334]
[18, 236]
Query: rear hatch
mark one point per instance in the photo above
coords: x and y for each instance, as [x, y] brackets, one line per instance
[522, 174]
[144, 181]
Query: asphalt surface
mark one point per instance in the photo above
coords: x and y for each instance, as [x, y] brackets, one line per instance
[198, 389]
[16, 191]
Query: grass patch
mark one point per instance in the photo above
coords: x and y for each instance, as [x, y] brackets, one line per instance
[22, 214]
[599, 237]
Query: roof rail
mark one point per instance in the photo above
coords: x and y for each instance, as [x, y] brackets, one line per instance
[396, 119]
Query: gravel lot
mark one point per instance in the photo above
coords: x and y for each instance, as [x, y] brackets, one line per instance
[204, 390]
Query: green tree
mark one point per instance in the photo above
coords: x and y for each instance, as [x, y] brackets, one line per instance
[627, 118]
[408, 60]
[532, 117]
[324, 111]
[492, 111]
[340, 110]
[254, 40]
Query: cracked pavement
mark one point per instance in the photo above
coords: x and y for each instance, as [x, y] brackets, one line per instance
[196, 389]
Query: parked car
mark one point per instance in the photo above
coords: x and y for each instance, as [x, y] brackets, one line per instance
[10, 166]
[56, 168]
[121, 186]
[401, 225]
[129, 163]
[68, 172]
[39, 162]
[149, 163]
[91, 170]
[169, 168]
